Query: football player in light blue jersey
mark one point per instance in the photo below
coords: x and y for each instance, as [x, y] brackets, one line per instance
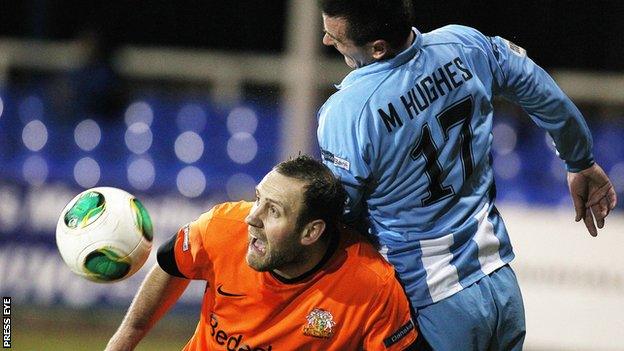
[409, 134]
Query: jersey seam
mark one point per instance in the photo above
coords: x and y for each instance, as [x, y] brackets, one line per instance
[503, 73]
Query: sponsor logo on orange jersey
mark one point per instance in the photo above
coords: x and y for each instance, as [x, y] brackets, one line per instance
[320, 324]
[230, 341]
[399, 334]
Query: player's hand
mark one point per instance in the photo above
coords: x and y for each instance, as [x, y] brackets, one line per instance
[593, 196]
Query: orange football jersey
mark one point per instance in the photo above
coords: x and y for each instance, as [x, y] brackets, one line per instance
[351, 302]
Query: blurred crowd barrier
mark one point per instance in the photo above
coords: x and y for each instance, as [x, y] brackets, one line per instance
[572, 283]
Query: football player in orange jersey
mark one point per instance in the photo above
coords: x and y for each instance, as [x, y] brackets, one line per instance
[282, 273]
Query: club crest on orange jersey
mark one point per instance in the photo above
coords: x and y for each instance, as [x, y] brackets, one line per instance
[320, 324]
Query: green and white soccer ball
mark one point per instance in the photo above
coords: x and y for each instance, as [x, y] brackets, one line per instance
[104, 234]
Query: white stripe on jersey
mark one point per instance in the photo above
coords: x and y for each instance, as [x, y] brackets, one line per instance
[442, 277]
[384, 252]
[487, 242]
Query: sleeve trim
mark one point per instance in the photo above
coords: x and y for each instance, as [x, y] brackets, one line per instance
[166, 257]
[577, 166]
[402, 332]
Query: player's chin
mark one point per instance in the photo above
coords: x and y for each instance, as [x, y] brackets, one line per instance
[255, 262]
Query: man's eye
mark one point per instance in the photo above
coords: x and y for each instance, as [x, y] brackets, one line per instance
[273, 211]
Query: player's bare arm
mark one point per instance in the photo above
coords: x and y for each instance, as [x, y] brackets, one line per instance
[593, 196]
[157, 294]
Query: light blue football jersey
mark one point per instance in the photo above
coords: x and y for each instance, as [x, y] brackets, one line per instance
[410, 139]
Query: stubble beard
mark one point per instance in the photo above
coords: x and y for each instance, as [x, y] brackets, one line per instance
[289, 254]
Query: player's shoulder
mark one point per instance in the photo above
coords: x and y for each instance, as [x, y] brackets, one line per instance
[221, 228]
[350, 98]
[455, 34]
[355, 91]
[227, 211]
[232, 210]
[341, 112]
[369, 263]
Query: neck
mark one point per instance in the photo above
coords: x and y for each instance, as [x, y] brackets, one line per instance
[393, 52]
[408, 42]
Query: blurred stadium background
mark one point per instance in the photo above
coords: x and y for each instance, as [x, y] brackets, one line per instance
[189, 103]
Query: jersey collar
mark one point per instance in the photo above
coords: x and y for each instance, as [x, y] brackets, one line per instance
[384, 65]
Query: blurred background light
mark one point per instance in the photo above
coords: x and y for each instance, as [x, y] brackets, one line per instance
[558, 170]
[242, 147]
[191, 117]
[240, 186]
[87, 172]
[189, 147]
[139, 112]
[35, 170]
[35, 135]
[505, 138]
[1, 106]
[242, 120]
[141, 173]
[616, 173]
[507, 166]
[87, 135]
[191, 181]
[138, 137]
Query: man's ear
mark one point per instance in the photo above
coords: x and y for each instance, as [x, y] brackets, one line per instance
[379, 49]
[312, 232]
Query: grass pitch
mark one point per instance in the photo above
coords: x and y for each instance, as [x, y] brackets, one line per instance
[52, 329]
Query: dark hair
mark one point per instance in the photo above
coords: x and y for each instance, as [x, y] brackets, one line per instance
[323, 197]
[369, 20]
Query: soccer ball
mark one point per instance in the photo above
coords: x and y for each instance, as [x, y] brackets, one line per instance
[104, 234]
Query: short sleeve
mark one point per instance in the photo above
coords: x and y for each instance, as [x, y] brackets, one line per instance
[185, 255]
[390, 326]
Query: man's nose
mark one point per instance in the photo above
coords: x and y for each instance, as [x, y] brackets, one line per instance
[252, 218]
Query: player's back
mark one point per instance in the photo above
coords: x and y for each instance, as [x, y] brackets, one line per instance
[424, 130]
